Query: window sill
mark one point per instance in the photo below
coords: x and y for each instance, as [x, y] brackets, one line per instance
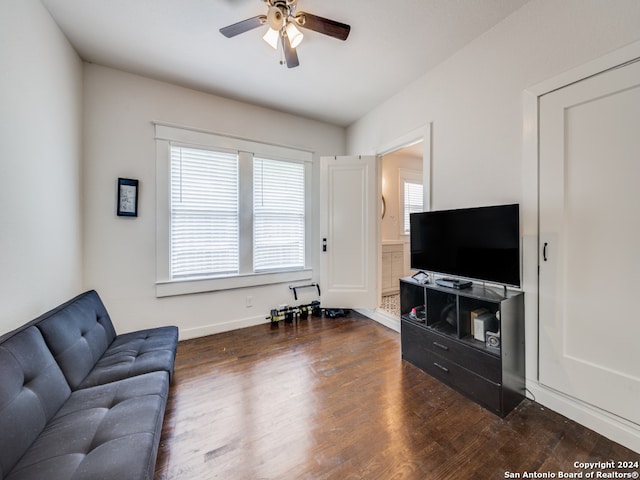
[185, 287]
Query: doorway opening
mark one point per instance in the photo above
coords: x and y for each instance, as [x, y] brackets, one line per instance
[402, 193]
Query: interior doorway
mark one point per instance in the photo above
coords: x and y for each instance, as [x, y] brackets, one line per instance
[402, 193]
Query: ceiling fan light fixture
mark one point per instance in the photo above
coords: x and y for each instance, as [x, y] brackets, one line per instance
[276, 18]
[271, 37]
[294, 34]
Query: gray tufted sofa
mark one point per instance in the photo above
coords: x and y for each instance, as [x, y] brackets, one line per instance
[78, 401]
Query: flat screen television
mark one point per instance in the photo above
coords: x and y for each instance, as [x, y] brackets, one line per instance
[481, 243]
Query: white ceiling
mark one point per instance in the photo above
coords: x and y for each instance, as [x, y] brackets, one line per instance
[391, 44]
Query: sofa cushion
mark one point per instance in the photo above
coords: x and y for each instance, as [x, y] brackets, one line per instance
[78, 333]
[106, 432]
[32, 390]
[135, 353]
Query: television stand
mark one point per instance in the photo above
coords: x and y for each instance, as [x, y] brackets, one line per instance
[470, 339]
[453, 283]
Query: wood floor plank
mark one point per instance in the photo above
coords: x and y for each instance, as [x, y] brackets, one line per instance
[332, 399]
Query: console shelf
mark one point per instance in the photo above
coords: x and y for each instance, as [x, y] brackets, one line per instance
[441, 340]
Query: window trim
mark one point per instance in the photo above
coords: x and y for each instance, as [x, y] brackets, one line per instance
[170, 134]
[188, 286]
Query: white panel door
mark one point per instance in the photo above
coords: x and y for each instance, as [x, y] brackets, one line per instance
[590, 241]
[349, 207]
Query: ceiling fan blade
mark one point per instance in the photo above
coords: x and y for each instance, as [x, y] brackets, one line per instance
[290, 54]
[243, 26]
[323, 25]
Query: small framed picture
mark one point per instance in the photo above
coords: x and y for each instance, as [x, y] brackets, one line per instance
[127, 197]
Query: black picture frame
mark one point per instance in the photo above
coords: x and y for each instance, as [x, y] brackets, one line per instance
[127, 198]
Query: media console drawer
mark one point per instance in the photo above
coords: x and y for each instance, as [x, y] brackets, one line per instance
[477, 361]
[459, 378]
[482, 390]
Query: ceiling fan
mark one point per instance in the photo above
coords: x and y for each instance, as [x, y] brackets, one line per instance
[283, 22]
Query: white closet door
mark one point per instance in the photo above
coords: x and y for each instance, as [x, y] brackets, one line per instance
[590, 241]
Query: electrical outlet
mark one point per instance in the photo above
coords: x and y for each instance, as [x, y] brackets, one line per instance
[249, 301]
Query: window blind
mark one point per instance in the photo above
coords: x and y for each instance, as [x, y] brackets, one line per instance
[278, 215]
[413, 198]
[204, 213]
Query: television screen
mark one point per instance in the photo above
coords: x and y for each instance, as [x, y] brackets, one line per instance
[481, 243]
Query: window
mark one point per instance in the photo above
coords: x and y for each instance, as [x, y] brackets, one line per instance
[278, 215]
[411, 197]
[228, 218]
[204, 213]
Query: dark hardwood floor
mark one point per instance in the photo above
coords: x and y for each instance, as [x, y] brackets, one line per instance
[332, 399]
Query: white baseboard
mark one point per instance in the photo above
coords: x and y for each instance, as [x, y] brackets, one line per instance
[380, 316]
[205, 330]
[606, 424]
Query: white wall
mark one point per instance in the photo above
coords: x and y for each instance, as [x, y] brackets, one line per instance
[40, 144]
[120, 257]
[475, 101]
[475, 98]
